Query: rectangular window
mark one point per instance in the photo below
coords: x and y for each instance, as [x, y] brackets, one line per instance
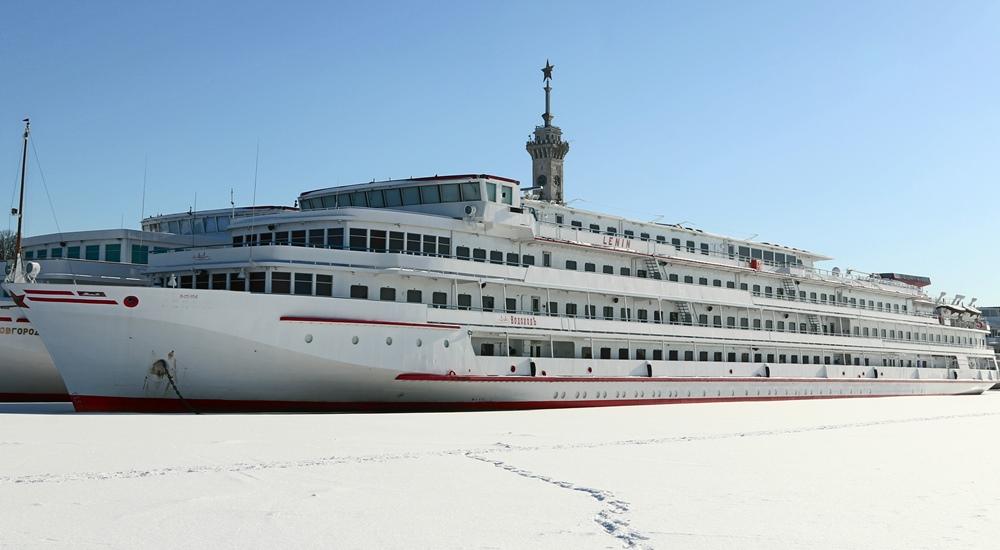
[672, 355]
[462, 252]
[623, 353]
[387, 294]
[507, 194]
[112, 252]
[488, 303]
[299, 238]
[547, 259]
[609, 269]
[589, 267]
[571, 310]
[359, 239]
[378, 240]
[429, 194]
[625, 271]
[430, 245]
[411, 196]
[281, 282]
[704, 248]
[56, 253]
[414, 296]
[689, 245]
[439, 299]
[219, 281]
[689, 279]
[464, 301]
[479, 254]
[265, 239]
[304, 284]
[496, 257]
[359, 291]
[450, 192]
[140, 254]
[335, 237]
[513, 259]
[471, 192]
[281, 238]
[316, 238]
[396, 239]
[511, 305]
[491, 192]
[413, 243]
[527, 260]
[257, 280]
[392, 197]
[594, 228]
[375, 199]
[73, 252]
[444, 246]
[571, 264]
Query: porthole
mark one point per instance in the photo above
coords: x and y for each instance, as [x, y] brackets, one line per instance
[555, 395]
[309, 338]
[578, 395]
[388, 340]
[584, 395]
[354, 339]
[419, 342]
[446, 343]
[562, 395]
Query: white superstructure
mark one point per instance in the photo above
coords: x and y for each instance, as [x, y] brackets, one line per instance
[455, 292]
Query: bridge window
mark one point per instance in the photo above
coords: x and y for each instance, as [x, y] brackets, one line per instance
[257, 281]
[140, 254]
[471, 192]
[396, 240]
[299, 237]
[393, 197]
[411, 196]
[375, 199]
[359, 238]
[413, 243]
[491, 192]
[378, 241]
[450, 192]
[316, 238]
[430, 245]
[507, 194]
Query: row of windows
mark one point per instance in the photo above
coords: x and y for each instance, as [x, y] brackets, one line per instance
[197, 225]
[376, 240]
[414, 195]
[111, 253]
[744, 252]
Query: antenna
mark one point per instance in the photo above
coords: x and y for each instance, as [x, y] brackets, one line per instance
[232, 204]
[253, 199]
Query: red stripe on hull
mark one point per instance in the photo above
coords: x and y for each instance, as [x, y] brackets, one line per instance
[33, 397]
[72, 300]
[364, 322]
[50, 292]
[422, 377]
[93, 403]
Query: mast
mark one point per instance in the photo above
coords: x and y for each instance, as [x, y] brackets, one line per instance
[20, 204]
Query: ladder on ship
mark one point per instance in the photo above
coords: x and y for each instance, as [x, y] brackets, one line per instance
[653, 268]
[814, 323]
[684, 311]
[791, 290]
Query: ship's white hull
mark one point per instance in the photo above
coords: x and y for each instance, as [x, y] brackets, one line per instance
[215, 350]
[26, 370]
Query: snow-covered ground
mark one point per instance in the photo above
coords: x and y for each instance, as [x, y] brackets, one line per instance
[854, 473]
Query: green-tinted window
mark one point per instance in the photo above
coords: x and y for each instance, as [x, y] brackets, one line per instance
[56, 253]
[159, 250]
[29, 255]
[140, 254]
[93, 252]
[42, 254]
[112, 252]
[73, 252]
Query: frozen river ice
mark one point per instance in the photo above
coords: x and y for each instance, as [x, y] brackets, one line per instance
[909, 473]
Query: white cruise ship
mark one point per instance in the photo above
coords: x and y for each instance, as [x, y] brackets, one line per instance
[102, 257]
[458, 293]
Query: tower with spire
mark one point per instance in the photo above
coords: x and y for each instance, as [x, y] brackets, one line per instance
[547, 150]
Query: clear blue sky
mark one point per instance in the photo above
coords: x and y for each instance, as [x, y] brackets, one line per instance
[868, 131]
